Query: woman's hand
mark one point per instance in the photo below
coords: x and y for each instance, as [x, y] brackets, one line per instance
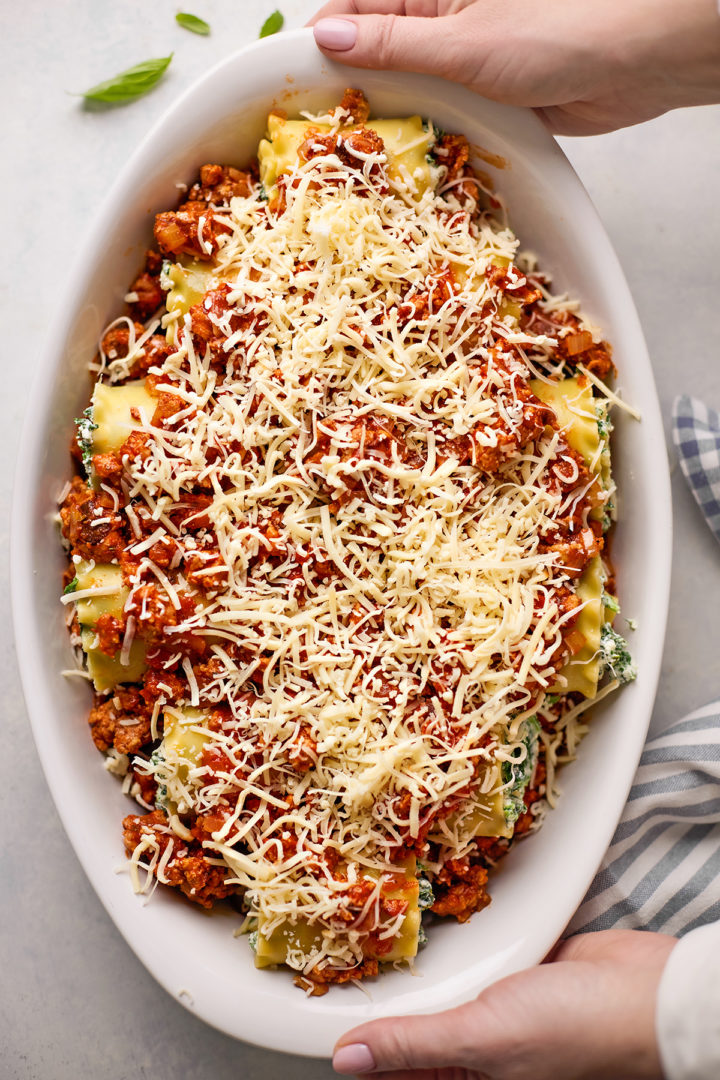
[587, 66]
[586, 1014]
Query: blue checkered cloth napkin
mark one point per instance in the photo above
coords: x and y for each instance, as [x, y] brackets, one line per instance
[696, 432]
[662, 870]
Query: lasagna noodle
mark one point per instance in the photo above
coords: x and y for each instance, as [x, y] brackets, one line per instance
[106, 671]
[573, 403]
[583, 671]
[483, 815]
[189, 279]
[112, 413]
[301, 942]
[407, 146]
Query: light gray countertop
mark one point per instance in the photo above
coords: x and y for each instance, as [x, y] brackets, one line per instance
[74, 1001]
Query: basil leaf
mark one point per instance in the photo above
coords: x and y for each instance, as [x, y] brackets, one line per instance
[71, 586]
[272, 24]
[130, 84]
[192, 23]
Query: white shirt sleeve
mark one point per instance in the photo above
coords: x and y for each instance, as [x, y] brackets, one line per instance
[688, 1007]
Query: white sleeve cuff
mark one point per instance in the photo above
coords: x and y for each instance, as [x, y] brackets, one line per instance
[688, 1007]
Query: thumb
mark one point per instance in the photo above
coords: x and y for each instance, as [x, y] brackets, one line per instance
[433, 46]
[408, 1043]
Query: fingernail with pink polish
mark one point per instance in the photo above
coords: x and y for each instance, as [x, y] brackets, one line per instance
[357, 1057]
[337, 34]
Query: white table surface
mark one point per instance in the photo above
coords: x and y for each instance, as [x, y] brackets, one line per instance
[74, 1001]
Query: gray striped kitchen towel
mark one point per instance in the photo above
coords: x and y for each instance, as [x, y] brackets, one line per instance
[662, 870]
[696, 433]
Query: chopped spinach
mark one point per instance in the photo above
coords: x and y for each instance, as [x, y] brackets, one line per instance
[610, 602]
[517, 774]
[85, 427]
[157, 759]
[604, 422]
[615, 658]
[426, 896]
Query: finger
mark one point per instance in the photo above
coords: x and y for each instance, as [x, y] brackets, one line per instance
[553, 951]
[378, 7]
[403, 43]
[358, 7]
[408, 1043]
[430, 1074]
[560, 121]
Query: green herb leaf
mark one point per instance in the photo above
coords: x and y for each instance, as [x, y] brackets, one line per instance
[71, 586]
[130, 84]
[272, 24]
[192, 23]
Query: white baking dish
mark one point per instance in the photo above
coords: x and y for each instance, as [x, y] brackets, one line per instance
[195, 957]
